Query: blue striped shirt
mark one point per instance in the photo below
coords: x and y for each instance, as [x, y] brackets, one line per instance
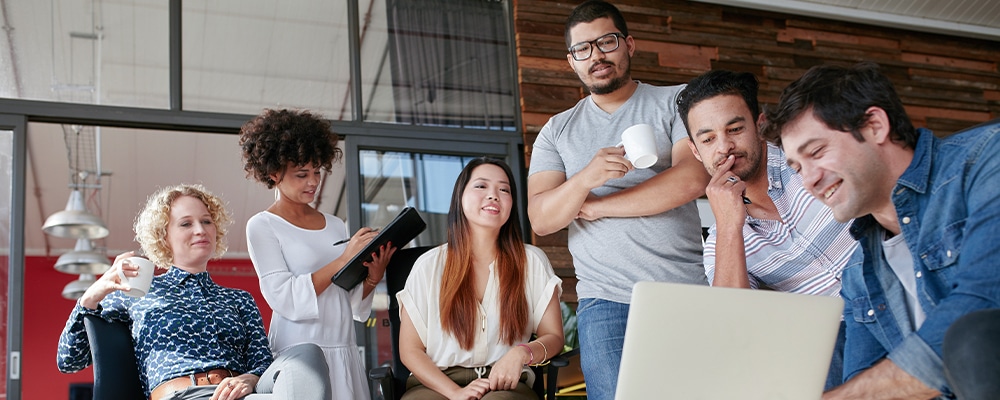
[805, 251]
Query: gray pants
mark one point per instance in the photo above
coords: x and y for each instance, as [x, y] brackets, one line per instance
[298, 373]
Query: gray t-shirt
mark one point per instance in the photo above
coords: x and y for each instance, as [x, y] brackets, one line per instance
[612, 254]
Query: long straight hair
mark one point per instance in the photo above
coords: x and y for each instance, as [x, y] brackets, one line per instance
[459, 311]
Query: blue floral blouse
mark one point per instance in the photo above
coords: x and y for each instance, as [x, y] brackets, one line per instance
[185, 324]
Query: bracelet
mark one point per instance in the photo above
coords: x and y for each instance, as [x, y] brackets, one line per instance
[545, 351]
[531, 354]
[370, 282]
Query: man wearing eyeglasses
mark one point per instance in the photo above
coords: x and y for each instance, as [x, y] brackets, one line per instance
[625, 224]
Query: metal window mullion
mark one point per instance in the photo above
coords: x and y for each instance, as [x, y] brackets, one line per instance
[354, 49]
[176, 47]
[15, 278]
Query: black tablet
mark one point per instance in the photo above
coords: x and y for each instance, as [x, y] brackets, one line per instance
[406, 226]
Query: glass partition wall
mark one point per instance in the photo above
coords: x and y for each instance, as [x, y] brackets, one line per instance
[392, 180]
[168, 84]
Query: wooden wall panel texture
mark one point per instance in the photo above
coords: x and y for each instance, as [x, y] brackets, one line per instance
[946, 82]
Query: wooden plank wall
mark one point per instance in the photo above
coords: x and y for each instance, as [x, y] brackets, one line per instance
[946, 82]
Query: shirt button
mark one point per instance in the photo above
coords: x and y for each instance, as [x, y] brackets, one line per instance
[871, 313]
[881, 307]
[948, 253]
[906, 220]
[919, 274]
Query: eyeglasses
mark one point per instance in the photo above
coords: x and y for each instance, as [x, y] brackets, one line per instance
[606, 44]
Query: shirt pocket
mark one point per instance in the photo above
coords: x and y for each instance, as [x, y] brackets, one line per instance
[862, 309]
[943, 254]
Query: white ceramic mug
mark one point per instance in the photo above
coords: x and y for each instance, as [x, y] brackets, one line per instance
[139, 284]
[640, 145]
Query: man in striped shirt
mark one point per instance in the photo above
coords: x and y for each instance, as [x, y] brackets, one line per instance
[769, 231]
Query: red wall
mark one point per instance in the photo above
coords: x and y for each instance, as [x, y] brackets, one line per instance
[45, 313]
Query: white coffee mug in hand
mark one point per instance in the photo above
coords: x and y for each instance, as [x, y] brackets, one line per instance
[139, 284]
[640, 145]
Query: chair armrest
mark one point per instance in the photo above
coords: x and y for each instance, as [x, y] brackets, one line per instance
[552, 373]
[382, 376]
[380, 373]
[562, 359]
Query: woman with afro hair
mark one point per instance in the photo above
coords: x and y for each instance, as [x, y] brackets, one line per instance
[292, 246]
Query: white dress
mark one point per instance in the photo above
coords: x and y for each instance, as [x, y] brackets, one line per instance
[285, 256]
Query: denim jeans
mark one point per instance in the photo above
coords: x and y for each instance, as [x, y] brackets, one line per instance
[601, 329]
[972, 355]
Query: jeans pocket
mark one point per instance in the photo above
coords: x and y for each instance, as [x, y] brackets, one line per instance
[584, 304]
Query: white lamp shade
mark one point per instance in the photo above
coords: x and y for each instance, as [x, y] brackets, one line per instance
[83, 260]
[74, 290]
[75, 221]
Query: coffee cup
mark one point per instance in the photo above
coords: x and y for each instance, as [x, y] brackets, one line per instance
[640, 145]
[139, 284]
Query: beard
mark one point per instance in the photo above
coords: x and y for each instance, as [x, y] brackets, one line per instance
[614, 84]
[609, 87]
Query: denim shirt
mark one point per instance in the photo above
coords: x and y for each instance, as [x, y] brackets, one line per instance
[948, 207]
[185, 324]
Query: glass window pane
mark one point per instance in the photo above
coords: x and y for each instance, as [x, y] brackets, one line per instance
[244, 55]
[133, 163]
[113, 53]
[393, 180]
[438, 62]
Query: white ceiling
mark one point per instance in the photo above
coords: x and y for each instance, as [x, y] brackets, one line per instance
[970, 18]
[283, 54]
[134, 72]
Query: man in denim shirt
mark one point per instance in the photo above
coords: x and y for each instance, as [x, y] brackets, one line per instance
[927, 216]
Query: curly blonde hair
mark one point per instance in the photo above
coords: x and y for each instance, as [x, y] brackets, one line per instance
[151, 223]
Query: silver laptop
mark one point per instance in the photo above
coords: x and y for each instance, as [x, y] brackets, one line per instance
[699, 342]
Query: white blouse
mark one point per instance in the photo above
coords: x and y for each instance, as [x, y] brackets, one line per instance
[420, 298]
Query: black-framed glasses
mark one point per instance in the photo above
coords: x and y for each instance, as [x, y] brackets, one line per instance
[606, 44]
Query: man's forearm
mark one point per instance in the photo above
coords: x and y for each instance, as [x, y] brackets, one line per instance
[730, 259]
[666, 191]
[886, 381]
[554, 209]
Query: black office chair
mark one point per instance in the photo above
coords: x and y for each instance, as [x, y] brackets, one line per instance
[116, 372]
[392, 379]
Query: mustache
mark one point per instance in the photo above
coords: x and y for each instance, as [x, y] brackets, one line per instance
[599, 63]
[719, 161]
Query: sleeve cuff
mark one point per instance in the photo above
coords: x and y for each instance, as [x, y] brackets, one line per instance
[914, 356]
[361, 307]
[80, 309]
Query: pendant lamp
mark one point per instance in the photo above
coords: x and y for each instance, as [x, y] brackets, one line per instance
[75, 221]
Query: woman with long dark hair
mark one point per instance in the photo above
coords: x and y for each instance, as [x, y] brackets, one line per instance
[470, 307]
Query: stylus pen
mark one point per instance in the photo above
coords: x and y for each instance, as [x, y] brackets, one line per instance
[340, 242]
